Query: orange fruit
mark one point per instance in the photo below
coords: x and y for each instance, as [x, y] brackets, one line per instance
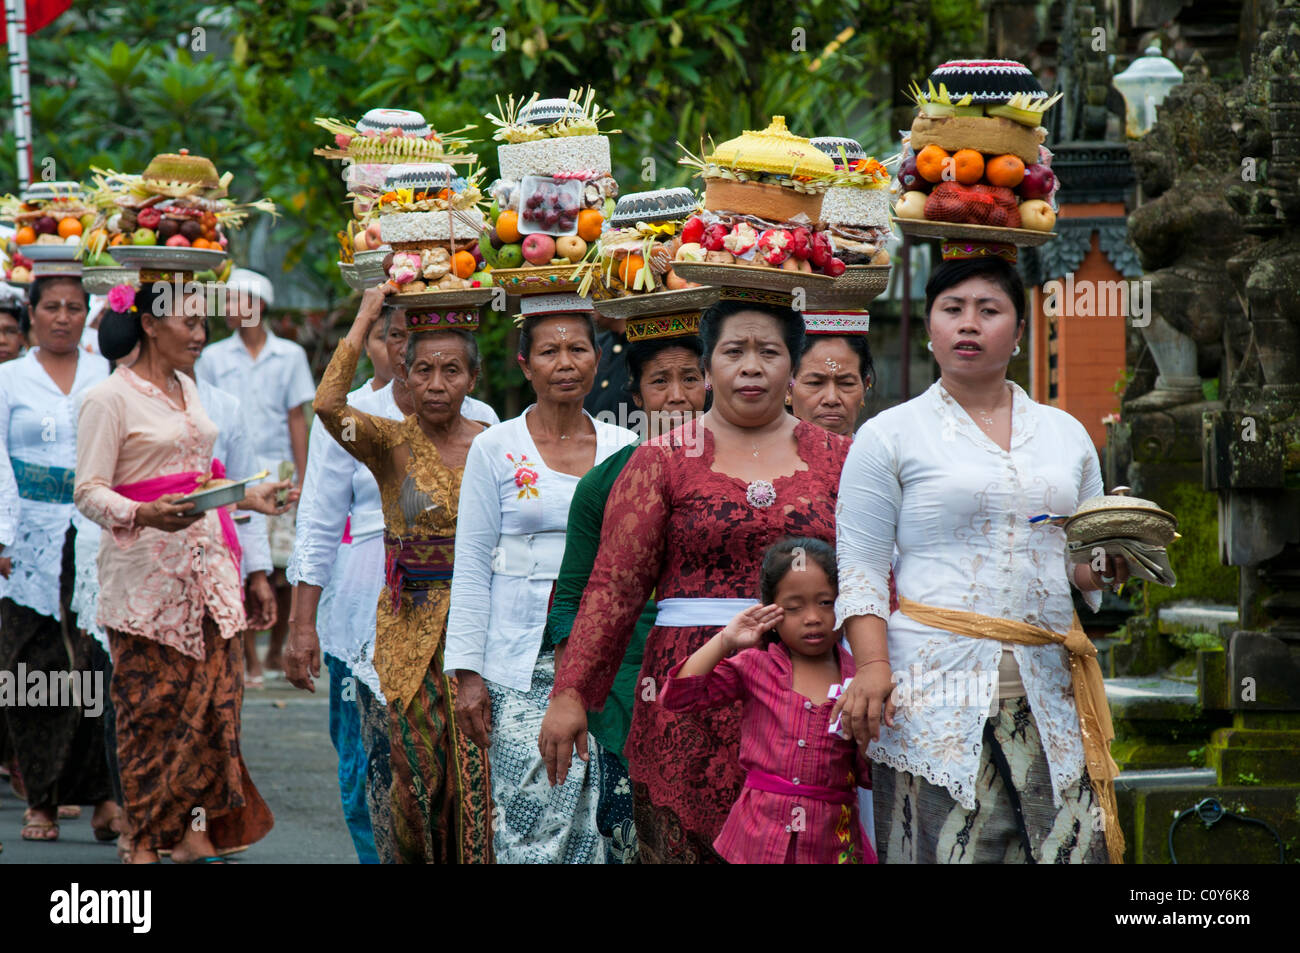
[200, 243]
[589, 224]
[444, 194]
[508, 227]
[118, 239]
[463, 264]
[628, 270]
[967, 166]
[931, 161]
[1005, 170]
[68, 227]
[26, 235]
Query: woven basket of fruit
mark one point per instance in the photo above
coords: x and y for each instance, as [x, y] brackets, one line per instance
[554, 279]
[750, 276]
[974, 165]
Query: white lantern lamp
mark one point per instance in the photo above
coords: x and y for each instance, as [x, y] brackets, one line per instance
[1144, 86]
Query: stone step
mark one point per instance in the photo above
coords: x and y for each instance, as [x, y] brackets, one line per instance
[1147, 812]
[1151, 697]
[1165, 779]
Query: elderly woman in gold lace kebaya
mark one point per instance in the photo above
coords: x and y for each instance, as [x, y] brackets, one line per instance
[441, 802]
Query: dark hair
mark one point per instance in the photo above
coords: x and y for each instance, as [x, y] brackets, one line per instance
[996, 270]
[857, 344]
[37, 290]
[17, 312]
[466, 337]
[780, 559]
[531, 321]
[119, 331]
[642, 352]
[792, 328]
[386, 315]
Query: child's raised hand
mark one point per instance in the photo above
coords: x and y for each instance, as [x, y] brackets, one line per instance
[746, 630]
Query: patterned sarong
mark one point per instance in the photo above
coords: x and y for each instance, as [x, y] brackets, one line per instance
[441, 794]
[178, 742]
[534, 823]
[1013, 821]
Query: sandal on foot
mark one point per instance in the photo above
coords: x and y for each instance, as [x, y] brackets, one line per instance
[38, 830]
[68, 812]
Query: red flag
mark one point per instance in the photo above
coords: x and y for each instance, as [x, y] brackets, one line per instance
[40, 14]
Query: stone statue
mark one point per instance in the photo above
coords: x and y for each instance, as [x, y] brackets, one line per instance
[1185, 233]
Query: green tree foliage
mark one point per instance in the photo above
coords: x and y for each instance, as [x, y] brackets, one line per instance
[113, 86]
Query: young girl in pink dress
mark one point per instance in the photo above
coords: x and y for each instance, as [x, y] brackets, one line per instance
[783, 661]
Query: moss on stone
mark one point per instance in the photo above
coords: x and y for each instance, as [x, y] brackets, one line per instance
[1194, 557]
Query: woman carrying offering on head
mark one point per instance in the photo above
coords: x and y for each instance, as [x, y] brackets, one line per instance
[171, 598]
[666, 381]
[689, 519]
[519, 482]
[835, 371]
[1009, 761]
[59, 744]
[441, 801]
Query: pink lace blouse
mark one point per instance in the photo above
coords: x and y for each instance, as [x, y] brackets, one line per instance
[153, 584]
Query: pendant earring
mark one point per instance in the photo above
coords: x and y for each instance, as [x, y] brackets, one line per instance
[1016, 351]
[929, 346]
[708, 385]
[788, 401]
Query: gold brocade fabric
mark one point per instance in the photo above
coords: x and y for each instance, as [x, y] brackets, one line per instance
[405, 640]
[1086, 679]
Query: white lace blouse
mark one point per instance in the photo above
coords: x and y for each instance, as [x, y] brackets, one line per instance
[38, 425]
[923, 476]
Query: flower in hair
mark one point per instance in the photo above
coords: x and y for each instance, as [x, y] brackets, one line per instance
[121, 298]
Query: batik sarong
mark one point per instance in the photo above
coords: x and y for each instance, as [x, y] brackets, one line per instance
[441, 795]
[1014, 820]
[533, 822]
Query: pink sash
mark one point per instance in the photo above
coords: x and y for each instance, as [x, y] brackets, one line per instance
[146, 491]
[762, 781]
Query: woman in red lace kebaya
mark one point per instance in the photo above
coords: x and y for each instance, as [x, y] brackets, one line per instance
[689, 519]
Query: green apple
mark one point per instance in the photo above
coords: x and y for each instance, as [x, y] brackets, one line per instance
[144, 236]
[493, 211]
[510, 256]
[483, 278]
[87, 221]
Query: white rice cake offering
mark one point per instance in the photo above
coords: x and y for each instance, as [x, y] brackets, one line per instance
[549, 156]
[849, 205]
[459, 225]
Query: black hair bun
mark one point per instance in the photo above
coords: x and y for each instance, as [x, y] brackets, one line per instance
[119, 332]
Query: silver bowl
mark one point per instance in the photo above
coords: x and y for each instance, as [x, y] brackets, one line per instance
[49, 252]
[205, 500]
[167, 257]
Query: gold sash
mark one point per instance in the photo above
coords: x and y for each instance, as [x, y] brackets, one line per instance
[1086, 680]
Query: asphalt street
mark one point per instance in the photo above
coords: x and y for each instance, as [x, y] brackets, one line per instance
[287, 747]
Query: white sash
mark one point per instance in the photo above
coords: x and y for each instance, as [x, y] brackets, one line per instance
[693, 612]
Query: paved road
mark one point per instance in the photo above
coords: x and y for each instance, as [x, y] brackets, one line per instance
[287, 747]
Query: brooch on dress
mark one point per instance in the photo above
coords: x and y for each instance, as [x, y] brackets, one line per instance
[760, 494]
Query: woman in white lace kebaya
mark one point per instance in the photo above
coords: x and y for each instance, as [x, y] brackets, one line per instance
[58, 736]
[988, 741]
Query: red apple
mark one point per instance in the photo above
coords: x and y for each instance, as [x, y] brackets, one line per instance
[538, 249]
[1037, 183]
